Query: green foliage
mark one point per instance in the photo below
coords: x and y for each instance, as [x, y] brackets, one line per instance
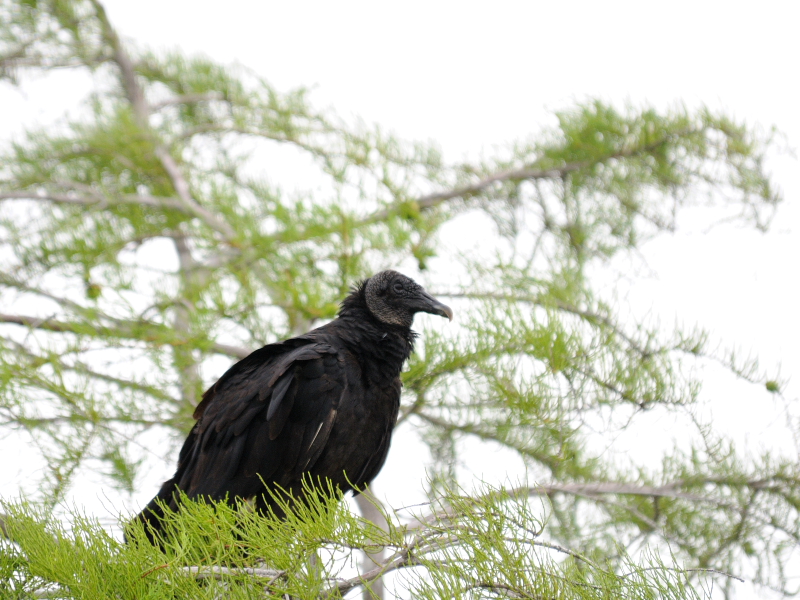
[484, 545]
[145, 242]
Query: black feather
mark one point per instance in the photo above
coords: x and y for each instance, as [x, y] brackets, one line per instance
[321, 405]
[278, 392]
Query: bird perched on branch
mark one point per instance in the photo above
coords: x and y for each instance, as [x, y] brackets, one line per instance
[321, 405]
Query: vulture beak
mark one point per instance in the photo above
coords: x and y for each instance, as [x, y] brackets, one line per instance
[429, 304]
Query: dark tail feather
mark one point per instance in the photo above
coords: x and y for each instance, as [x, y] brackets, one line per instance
[153, 514]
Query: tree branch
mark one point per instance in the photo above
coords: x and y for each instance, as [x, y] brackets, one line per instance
[429, 201]
[670, 490]
[184, 359]
[525, 174]
[184, 194]
[128, 74]
[401, 559]
[215, 572]
[369, 505]
[187, 99]
[507, 590]
[586, 315]
[593, 489]
[101, 201]
[151, 333]
[4, 527]
[141, 112]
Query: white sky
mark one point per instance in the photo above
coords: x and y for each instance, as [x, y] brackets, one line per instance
[475, 75]
[472, 77]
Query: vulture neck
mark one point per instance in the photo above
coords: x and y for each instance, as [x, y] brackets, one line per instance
[371, 338]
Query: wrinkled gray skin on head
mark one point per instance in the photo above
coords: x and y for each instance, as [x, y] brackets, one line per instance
[394, 299]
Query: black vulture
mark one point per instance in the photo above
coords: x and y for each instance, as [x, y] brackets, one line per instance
[322, 404]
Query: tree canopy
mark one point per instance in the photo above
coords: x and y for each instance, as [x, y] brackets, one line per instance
[150, 238]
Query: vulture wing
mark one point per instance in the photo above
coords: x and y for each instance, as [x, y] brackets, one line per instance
[268, 417]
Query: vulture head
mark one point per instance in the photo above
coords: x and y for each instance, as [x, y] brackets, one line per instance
[394, 298]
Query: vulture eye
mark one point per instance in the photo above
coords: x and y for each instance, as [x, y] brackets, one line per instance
[397, 287]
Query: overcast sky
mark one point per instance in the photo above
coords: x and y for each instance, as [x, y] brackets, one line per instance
[472, 76]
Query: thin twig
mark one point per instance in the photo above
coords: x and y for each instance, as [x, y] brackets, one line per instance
[214, 572]
[187, 99]
[400, 560]
[694, 570]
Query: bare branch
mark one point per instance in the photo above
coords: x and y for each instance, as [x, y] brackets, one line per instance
[128, 74]
[234, 351]
[187, 99]
[4, 527]
[683, 571]
[670, 490]
[401, 559]
[370, 508]
[39, 323]
[184, 357]
[96, 200]
[215, 572]
[431, 200]
[148, 332]
[184, 194]
[141, 112]
[506, 590]
[41, 61]
[592, 490]
[524, 174]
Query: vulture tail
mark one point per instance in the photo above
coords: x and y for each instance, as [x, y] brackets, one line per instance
[152, 515]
